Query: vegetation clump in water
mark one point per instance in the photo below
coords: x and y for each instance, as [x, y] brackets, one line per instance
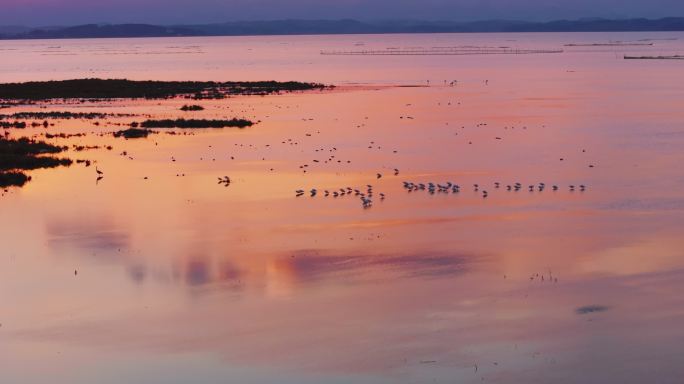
[129, 89]
[13, 124]
[188, 108]
[10, 179]
[133, 133]
[660, 57]
[24, 154]
[196, 123]
[57, 115]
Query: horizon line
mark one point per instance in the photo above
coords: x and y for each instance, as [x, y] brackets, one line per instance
[362, 20]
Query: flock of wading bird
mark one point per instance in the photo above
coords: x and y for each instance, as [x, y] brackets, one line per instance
[366, 194]
[366, 197]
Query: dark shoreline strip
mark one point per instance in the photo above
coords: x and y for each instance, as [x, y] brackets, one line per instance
[128, 89]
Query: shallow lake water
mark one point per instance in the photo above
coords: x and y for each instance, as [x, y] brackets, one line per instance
[157, 274]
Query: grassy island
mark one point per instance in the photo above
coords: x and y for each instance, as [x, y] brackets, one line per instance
[18, 155]
[130, 89]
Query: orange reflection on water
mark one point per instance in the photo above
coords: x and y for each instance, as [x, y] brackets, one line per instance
[159, 264]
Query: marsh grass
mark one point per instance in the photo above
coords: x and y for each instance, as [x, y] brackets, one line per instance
[133, 133]
[18, 155]
[12, 124]
[195, 123]
[59, 115]
[103, 89]
[13, 179]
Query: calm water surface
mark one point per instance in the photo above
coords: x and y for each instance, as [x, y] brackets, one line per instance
[182, 280]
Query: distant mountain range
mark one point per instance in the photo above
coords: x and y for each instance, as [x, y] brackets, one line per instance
[315, 27]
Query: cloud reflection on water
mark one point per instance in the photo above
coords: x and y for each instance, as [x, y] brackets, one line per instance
[91, 233]
[314, 265]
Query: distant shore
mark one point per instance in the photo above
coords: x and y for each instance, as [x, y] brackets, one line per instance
[339, 27]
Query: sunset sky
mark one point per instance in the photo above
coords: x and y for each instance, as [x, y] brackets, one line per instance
[60, 12]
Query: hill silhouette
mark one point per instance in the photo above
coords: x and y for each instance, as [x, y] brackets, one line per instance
[346, 26]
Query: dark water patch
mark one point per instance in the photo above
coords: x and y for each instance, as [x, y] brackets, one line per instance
[195, 123]
[137, 273]
[197, 273]
[590, 309]
[129, 89]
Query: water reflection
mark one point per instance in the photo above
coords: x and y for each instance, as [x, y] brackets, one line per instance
[286, 274]
[86, 233]
[137, 273]
[311, 265]
[196, 272]
[249, 283]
